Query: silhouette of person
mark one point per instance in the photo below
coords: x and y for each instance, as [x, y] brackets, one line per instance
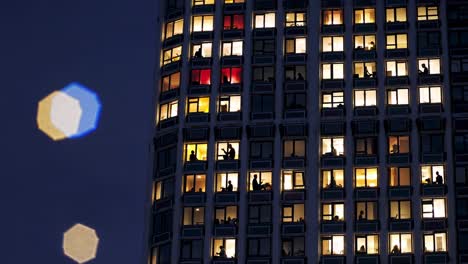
[193, 157]
[332, 182]
[198, 53]
[425, 69]
[226, 79]
[396, 250]
[372, 45]
[361, 215]
[255, 185]
[231, 152]
[439, 179]
[229, 187]
[222, 252]
[362, 249]
[300, 77]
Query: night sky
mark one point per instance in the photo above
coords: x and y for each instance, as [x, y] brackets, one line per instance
[100, 180]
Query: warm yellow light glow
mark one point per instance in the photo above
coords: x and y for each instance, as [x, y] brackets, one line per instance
[80, 243]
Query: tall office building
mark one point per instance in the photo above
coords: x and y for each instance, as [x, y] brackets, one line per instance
[312, 131]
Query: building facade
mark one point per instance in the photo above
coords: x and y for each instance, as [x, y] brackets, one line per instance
[311, 132]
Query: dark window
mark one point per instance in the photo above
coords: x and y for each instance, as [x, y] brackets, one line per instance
[162, 254]
[262, 103]
[264, 47]
[428, 40]
[233, 22]
[297, 72]
[460, 94]
[293, 246]
[366, 211]
[167, 158]
[432, 143]
[194, 216]
[366, 146]
[261, 150]
[259, 214]
[263, 74]
[192, 249]
[259, 247]
[458, 39]
[295, 101]
[462, 242]
[461, 143]
[163, 222]
[461, 175]
[459, 65]
[462, 208]
[226, 215]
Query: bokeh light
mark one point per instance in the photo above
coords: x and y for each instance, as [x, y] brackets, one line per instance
[80, 243]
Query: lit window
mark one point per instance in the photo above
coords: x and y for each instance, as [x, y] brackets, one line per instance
[194, 215]
[202, 50]
[429, 66]
[432, 174]
[295, 101]
[171, 55]
[333, 245]
[229, 103]
[164, 189]
[332, 17]
[365, 70]
[365, 146]
[332, 71]
[332, 99]
[398, 96]
[224, 248]
[293, 246]
[264, 47]
[332, 44]
[364, 16]
[292, 180]
[333, 178]
[294, 148]
[173, 28]
[366, 211]
[263, 74]
[232, 48]
[396, 14]
[198, 105]
[194, 182]
[168, 110]
[264, 20]
[233, 22]
[260, 181]
[201, 77]
[433, 208]
[295, 19]
[196, 151]
[397, 41]
[296, 72]
[333, 146]
[333, 212]
[203, 2]
[296, 45]
[225, 215]
[365, 98]
[170, 82]
[430, 95]
[366, 42]
[202, 23]
[436, 242]
[260, 213]
[293, 213]
[366, 177]
[233, 1]
[398, 144]
[227, 151]
[400, 210]
[428, 13]
[367, 244]
[400, 176]
[396, 68]
[400, 243]
[226, 181]
[231, 75]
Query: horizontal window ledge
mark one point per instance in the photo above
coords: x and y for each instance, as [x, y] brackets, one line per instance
[292, 228]
[396, 80]
[332, 259]
[406, 258]
[260, 196]
[333, 29]
[229, 230]
[434, 224]
[333, 112]
[173, 41]
[364, 82]
[364, 28]
[200, 62]
[295, 31]
[403, 225]
[436, 258]
[428, 24]
[195, 166]
[261, 164]
[219, 260]
[365, 110]
[227, 165]
[293, 195]
[333, 84]
[398, 110]
[168, 95]
[294, 114]
[230, 116]
[264, 33]
[198, 89]
[332, 3]
[169, 122]
[332, 194]
[194, 198]
[226, 197]
[433, 190]
[367, 259]
[396, 26]
[195, 231]
[433, 157]
[198, 117]
[429, 79]
[171, 67]
[234, 7]
[398, 159]
[400, 192]
[294, 259]
[396, 53]
[333, 56]
[332, 161]
[295, 86]
[202, 9]
[364, 54]
[333, 227]
[231, 60]
[233, 34]
[366, 160]
[371, 193]
[163, 204]
[367, 226]
[259, 229]
[205, 35]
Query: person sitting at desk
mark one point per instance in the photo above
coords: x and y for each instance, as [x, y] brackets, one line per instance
[222, 252]
[193, 157]
[425, 70]
[198, 53]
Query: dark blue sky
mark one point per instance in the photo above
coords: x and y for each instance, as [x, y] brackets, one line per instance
[100, 180]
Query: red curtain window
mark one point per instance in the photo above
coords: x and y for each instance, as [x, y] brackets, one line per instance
[231, 75]
[233, 22]
[201, 77]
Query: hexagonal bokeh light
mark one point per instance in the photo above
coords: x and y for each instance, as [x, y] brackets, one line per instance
[69, 113]
[80, 243]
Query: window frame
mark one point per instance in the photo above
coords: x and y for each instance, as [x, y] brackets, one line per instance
[227, 177]
[331, 243]
[192, 217]
[433, 236]
[195, 187]
[333, 174]
[296, 22]
[399, 206]
[334, 95]
[397, 95]
[366, 237]
[168, 80]
[334, 211]
[295, 182]
[398, 174]
[367, 210]
[209, 28]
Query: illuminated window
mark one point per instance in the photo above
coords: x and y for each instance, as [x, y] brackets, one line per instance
[295, 19]
[226, 215]
[164, 189]
[264, 47]
[436, 242]
[194, 182]
[260, 181]
[400, 176]
[202, 23]
[172, 55]
[293, 213]
[366, 42]
[367, 244]
[264, 20]
[292, 180]
[365, 70]
[233, 22]
[224, 248]
[400, 243]
[333, 245]
[396, 68]
[260, 214]
[366, 211]
[428, 13]
[397, 41]
[365, 146]
[233, 1]
[364, 16]
[264, 74]
[430, 95]
[400, 210]
[332, 44]
[396, 14]
[429, 66]
[333, 146]
[196, 151]
[203, 2]
[229, 103]
[332, 99]
[398, 96]
[227, 151]
[294, 101]
[293, 246]
[296, 45]
[232, 48]
[259, 247]
[190, 249]
[366, 177]
[261, 149]
[398, 144]
[332, 17]
[227, 182]
[296, 72]
[202, 50]
[365, 97]
[231, 75]
[332, 71]
[333, 212]
[170, 82]
[198, 105]
[194, 215]
[168, 110]
[201, 77]
[293, 148]
[173, 28]
[433, 208]
[333, 178]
